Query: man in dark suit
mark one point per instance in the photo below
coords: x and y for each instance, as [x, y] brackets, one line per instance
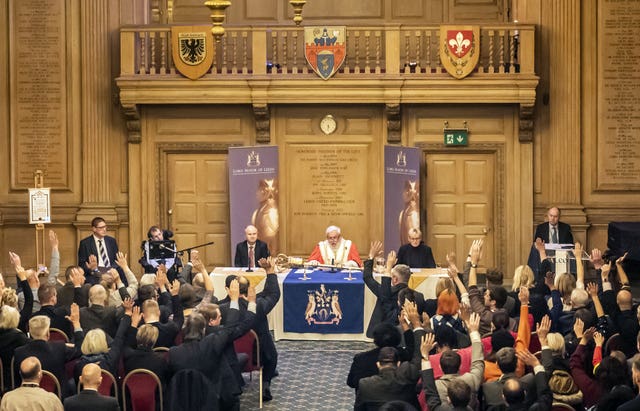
[205, 353]
[248, 246]
[52, 354]
[554, 231]
[395, 381]
[97, 253]
[265, 301]
[634, 404]
[387, 290]
[89, 398]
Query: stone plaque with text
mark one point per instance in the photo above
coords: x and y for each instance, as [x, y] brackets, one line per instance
[38, 93]
[618, 149]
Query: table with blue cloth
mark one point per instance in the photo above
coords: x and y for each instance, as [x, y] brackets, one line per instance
[326, 303]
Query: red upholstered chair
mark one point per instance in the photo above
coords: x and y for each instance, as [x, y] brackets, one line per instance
[164, 351]
[50, 383]
[250, 345]
[534, 344]
[56, 334]
[141, 386]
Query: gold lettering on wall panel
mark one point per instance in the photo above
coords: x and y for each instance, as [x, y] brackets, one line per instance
[38, 92]
[618, 154]
[326, 185]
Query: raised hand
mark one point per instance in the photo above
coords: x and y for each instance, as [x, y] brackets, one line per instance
[549, 280]
[476, 251]
[578, 328]
[121, 260]
[234, 290]
[15, 259]
[404, 321]
[465, 312]
[74, 315]
[411, 309]
[92, 264]
[128, 306]
[391, 260]
[596, 258]
[543, 328]
[577, 250]
[592, 289]
[451, 258]
[528, 358]
[598, 338]
[588, 333]
[539, 244]
[427, 344]
[473, 324]
[375, 249]
[53, 239]
[175, 288]
[251, 294]
[77, 277]
[621, 259]
[523, 295]
[136, 316]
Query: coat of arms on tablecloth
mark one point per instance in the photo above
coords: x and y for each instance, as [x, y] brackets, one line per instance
[323, 307]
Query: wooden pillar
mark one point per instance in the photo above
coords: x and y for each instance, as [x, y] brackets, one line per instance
[99, 143]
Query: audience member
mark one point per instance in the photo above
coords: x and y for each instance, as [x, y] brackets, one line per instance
[29, 396]
[97, 252]
[416, 254]
[89, 398]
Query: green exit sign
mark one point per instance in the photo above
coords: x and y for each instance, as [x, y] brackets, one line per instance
[454, 137]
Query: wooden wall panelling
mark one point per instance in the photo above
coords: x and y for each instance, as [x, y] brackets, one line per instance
[334, 179]
[492, 129]
[197, 137]
[469, 11]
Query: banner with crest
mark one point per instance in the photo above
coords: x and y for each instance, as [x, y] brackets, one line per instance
[459, 49]
[325, 49]
[192, 50]
[253, 194]
[401, 194]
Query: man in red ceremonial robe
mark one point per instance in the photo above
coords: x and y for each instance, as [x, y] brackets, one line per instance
[335, 250]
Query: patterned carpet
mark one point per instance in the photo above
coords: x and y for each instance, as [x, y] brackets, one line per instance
[313, 377]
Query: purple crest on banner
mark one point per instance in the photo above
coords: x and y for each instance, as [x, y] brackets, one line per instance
[401, 195]
[253, 194]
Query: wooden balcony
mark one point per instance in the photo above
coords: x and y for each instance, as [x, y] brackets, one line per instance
[384, 64]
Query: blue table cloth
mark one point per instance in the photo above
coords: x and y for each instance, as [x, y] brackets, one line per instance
[327, 303]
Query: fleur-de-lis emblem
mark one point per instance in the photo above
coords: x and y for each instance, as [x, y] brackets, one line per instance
[459, 44]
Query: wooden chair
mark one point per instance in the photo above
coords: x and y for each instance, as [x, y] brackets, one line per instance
[108, 386]
[50, 383]
[247, 344]
[142, 385]
[56, 334]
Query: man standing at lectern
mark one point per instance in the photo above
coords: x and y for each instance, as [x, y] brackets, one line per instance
[554, 231]
[97, 253]
[335, 250]
[251, 250]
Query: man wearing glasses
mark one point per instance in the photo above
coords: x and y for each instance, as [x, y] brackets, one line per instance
[97, 253]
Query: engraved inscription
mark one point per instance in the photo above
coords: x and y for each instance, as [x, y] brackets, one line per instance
[38, 75]
[618, 162]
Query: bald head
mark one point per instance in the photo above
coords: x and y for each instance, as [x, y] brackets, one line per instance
[91, 376]
[251, 232]
[513, 391]
[624, 300]
[97, 295]
[31, 370]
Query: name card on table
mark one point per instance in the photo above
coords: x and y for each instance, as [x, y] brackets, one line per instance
[326, 303]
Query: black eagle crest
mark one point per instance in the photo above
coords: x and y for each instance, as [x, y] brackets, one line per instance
[192, 49]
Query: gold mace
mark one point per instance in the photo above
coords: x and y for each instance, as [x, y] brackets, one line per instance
[217, 8]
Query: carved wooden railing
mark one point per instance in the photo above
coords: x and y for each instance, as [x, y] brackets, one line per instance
[398, 51]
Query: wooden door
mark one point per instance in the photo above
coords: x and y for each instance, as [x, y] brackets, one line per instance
[198, 195]
[459, 200]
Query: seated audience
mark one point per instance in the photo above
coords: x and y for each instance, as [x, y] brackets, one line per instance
[89, 398]
[29, 396]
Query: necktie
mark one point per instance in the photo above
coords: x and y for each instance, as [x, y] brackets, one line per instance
[252, 257]
[103, 254]
[554, 235]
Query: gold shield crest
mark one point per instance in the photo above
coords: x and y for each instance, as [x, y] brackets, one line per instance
[192, 50]
[459, 49]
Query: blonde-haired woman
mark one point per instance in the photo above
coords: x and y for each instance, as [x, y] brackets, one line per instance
[96, 350]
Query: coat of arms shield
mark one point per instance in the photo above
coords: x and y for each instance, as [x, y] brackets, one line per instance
[325, 49]
[459, 49]
[192, 50]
